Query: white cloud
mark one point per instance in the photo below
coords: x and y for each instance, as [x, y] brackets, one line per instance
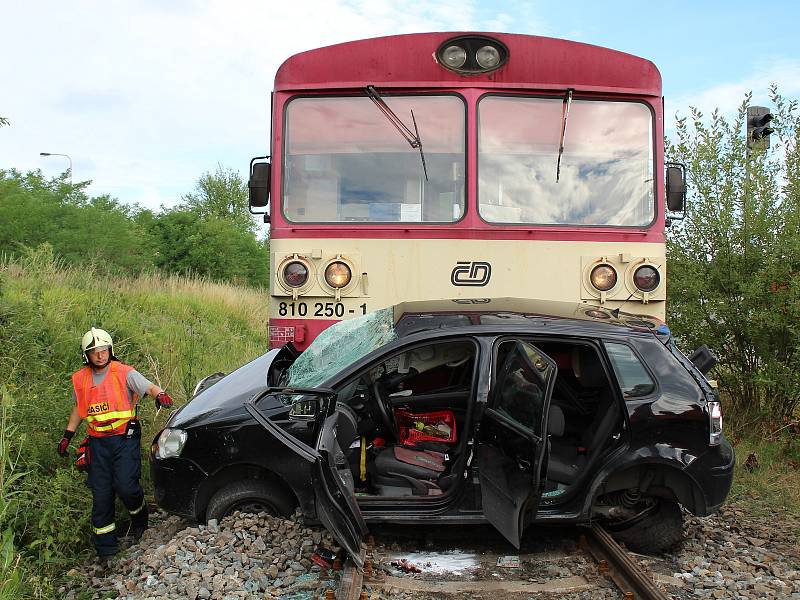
[146, 96]
[727, 97]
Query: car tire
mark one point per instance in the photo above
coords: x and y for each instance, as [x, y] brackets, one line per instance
[249, 495]
[655, 532]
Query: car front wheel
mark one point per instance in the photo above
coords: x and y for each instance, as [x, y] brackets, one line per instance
[653, 531]
[250, 496]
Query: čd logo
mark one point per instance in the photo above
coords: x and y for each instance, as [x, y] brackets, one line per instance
[475, 273]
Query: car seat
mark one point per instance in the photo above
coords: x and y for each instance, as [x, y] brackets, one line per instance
[568, 460]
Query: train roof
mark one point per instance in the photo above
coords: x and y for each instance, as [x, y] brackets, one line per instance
[408, 61]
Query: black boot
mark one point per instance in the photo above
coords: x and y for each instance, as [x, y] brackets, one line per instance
[139, 523]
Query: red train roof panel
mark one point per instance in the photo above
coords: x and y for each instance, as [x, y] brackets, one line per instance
[409, 61]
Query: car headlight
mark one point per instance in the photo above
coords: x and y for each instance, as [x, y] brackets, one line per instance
[170, 443]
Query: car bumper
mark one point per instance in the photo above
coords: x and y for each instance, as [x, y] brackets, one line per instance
[176, 482]
[713, 471]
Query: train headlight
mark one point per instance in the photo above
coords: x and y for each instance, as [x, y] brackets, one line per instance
[603, 277]
[454, 56]
[338, 274]
[487, 57]
[646, 278]
[295, 274]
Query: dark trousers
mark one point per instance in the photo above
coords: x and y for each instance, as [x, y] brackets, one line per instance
[115, 468]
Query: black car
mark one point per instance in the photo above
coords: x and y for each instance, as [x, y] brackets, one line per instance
[507, 411]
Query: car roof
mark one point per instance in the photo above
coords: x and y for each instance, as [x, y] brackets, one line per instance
[514, 314]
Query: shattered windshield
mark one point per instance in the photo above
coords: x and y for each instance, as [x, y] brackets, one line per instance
[341, 345]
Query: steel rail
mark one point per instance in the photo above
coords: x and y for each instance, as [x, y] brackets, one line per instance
[615, 562]
[350, 584]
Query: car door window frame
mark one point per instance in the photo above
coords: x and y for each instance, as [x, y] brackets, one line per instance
[613, 373]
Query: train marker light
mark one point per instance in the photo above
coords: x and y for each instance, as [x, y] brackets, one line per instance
[337, 274]
[487, 57]
[295, 274]
[454, 56]
[646, 278]
[603, 277]
[472, 54]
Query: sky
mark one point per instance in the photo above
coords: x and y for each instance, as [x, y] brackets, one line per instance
[145, 96]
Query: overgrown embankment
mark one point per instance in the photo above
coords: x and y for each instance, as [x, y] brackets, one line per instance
[174, 330]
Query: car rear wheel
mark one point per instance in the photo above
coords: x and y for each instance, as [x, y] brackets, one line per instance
[251, 496]
[653, 531]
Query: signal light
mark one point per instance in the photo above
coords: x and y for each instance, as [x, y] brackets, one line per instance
[338, 274]
[295, 274]
[603, 277]
[646, 278]
[758, 130]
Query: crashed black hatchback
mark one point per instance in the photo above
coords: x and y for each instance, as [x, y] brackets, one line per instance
[510, 412]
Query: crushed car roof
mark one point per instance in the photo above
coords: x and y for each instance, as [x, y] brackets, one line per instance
[346, 342]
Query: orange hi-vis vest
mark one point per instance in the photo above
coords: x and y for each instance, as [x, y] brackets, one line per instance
[106, 407]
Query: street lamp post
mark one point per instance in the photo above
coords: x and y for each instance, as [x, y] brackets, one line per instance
[67, 156]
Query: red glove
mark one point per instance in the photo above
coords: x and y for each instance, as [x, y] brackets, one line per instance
[164, 400]
[63, 445]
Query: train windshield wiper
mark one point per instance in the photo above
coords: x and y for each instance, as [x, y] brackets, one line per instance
[412, 137]
[564, 116]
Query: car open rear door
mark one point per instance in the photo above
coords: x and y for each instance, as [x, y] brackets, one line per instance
[512, 449]
[330, 473]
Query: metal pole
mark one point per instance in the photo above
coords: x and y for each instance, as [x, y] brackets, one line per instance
[67, 156]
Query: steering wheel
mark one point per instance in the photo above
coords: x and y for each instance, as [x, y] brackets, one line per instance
[385, 410]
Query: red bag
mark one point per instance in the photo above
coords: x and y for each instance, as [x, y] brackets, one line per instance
[82, 456]
[439, 426]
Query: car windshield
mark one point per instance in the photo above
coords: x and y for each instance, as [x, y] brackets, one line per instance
[344, 160]
[341, 345]
[549, 162]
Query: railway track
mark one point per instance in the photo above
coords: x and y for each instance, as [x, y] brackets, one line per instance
[596, 564]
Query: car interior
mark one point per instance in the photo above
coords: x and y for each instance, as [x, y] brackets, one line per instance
[400, 423]
[403, 424]
[585, 418]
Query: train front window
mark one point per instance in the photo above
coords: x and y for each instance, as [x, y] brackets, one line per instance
[606, 167]
[345, 162]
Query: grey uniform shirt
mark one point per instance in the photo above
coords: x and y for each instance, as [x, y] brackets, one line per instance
[136, 383]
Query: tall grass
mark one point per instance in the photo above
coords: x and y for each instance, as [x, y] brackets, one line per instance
[172, 329]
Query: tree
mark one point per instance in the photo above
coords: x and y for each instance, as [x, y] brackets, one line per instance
[211, 247]
[734, 262]
[221, 195]
[35, 210]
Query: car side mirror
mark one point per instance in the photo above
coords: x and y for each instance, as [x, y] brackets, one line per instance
[304, 410]
[259, 184]
[676, 187]
[703, 358]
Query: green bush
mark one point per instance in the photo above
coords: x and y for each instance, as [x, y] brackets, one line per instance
[733, 262]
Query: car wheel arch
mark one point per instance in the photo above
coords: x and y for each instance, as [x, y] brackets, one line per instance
[233, 473]
[665, 480]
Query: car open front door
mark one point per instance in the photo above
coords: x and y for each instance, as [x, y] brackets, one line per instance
[330, 472]
[512, 448]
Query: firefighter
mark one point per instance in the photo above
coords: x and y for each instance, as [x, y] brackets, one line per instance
[105, 393]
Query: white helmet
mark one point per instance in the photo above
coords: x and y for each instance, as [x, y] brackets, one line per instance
[95, 339]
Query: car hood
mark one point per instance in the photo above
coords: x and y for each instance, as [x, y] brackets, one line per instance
[224, 401]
